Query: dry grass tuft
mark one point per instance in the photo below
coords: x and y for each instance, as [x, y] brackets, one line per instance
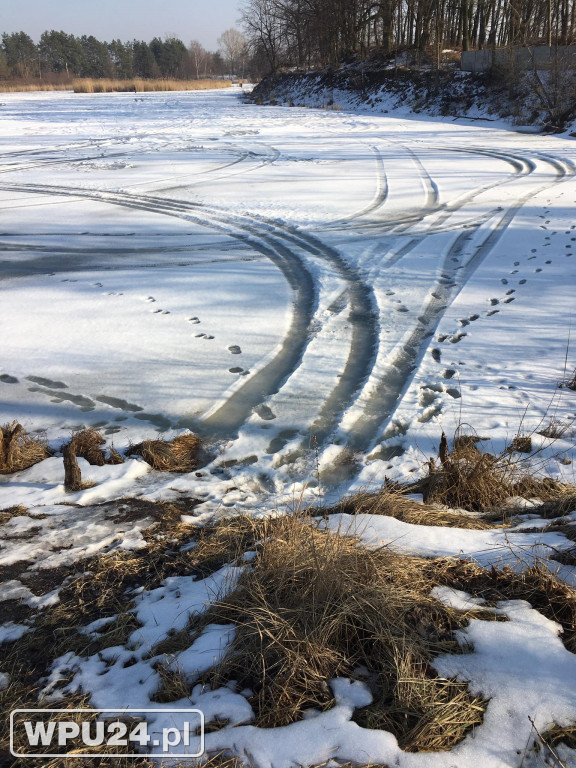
[391, 501]
[555, 429]
[173, 685]
[482, 482]
[182, 454]
[20, 450]
[536, 584]
[569, 382]
[316, 605]
[88, 445]
[560, 735]
[521, 444]
[10, 512]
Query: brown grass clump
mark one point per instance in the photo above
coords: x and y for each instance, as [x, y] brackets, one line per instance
[569, 382]
[536, 584]
[555, 429]
[182, 454]
[521, 444]
[173, 685]
[316, 605]
[391, 501]
[20, 450]
[88, 444]
[482, 482]
[560, 735]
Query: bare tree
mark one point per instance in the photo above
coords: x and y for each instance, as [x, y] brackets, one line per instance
[233, 47]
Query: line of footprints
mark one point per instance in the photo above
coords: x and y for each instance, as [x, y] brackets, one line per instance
[508, 297]
[234, 349]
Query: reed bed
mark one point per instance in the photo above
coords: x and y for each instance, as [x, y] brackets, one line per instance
[94, 85]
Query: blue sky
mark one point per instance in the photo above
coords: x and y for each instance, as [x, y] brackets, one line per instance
[202, 20]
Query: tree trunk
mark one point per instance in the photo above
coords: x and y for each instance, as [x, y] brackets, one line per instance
[72, 474]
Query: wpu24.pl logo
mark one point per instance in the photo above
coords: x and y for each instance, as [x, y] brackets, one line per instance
[155, 732]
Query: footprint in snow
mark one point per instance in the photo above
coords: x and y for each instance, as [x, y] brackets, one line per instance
[521, 282]
[493, 302]
[234, 350]
[493, 312]
[97, 285]
[538, 270]
[194, 320]
[510, 292]
[236, 369]
[457, 338]
[474, 317]
[435, 355]
[508, 300]
[504, 281]
[150, 299]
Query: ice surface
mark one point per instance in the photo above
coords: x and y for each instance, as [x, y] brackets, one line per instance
[318, 294]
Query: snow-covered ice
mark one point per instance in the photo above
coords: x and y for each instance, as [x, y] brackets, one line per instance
[318, 294]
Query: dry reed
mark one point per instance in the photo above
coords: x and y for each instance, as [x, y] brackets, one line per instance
[19, 449]
[483, 482]
[182, 454]
[392, 501]
[94, 85]
[88, 445]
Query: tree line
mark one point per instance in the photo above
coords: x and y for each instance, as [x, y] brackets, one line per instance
[304, 33]
[61, 54]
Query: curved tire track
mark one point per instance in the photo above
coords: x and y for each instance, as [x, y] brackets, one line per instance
[279, 243]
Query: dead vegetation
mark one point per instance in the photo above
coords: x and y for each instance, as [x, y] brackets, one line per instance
[141, 85]
[19, 449]
[536, 584]
[103, 85]
[314, 605]
[317, 605]
[392, 501]
[85, 444]
[569, 382]
[483, 482]
[182, 454]
[88, 445]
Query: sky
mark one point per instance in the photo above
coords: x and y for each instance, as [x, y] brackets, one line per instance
[202, 20]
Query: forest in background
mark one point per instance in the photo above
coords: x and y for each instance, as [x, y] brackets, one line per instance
[299, 34]
[304, 33]
[59, 56]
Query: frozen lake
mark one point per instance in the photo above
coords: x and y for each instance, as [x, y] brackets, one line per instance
[310, 290]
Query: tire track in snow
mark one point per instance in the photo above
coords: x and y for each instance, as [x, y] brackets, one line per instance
[402, 362]
[275, 241]
[382, 191]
